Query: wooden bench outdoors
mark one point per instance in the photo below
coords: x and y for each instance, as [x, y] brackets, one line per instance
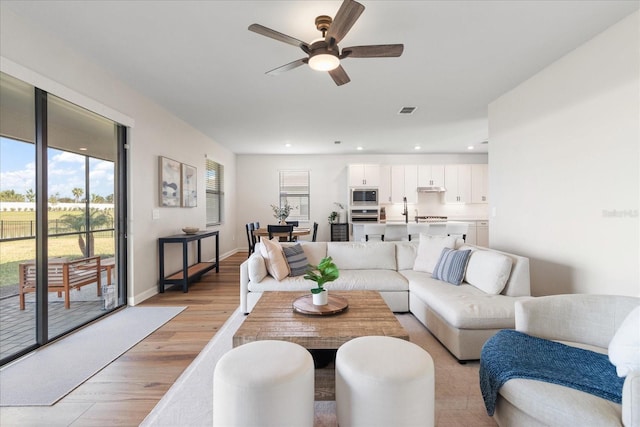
[63, 276]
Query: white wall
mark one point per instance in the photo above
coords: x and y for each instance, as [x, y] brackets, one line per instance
[564, 154]
[38, 58]
[258, 183]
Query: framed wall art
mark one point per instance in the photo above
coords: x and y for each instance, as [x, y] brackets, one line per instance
[189, 186]
[169, 182]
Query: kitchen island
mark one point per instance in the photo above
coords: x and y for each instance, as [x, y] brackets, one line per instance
[397, 230]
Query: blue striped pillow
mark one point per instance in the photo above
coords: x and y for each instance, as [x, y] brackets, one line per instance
[297, 260]
[451, 266]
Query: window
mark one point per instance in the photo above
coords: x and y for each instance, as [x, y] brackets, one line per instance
[215, 192]
[294, 189]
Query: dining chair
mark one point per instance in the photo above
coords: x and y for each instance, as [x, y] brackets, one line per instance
[271, 229]
[256, 225]
[374, 232]
[315, 231]
[251, 239]
[294, 223]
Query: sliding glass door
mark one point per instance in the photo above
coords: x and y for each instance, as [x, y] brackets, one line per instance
[61, 249]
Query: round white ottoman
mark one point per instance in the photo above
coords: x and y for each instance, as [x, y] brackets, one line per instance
[384, 381]
[264, 383]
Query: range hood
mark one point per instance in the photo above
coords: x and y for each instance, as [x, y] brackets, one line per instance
[431, 189]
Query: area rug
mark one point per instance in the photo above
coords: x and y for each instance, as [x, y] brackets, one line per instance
[48, 374]
[189, 402]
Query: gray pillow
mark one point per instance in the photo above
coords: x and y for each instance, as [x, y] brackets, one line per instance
[297, 260]
[451, 266]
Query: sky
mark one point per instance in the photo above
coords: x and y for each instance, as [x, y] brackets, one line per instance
[66, 170]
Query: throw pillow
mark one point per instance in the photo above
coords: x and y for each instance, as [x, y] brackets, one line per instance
[451, 266]
[296, 259]
[274, 258]
[488, 271]
[257, 268]
[429, 250]
[624, 348]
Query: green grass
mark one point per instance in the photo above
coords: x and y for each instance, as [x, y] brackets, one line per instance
[18, 251]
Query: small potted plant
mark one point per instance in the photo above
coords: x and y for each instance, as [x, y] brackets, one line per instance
[327, 271]
[333, 216]
[282, 213]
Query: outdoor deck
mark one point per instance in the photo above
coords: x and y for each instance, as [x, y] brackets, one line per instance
[17, 327]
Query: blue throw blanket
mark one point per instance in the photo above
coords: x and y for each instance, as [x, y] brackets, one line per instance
[512, 354]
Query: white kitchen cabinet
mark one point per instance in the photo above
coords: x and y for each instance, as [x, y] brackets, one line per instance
[361, 175]
[457, 181]
[482, 233]
[479, 183]
[384, 189]
[404, 182]
[431, 176]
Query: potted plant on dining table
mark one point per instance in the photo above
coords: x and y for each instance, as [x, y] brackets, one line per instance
[327, 271]
[282, 213]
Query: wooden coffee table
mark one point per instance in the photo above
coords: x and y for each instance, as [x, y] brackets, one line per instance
[273, 318]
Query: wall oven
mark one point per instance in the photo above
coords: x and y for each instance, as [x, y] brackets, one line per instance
[364, 215]
[364, 197]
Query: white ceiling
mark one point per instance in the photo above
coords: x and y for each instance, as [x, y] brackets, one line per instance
[199, 61]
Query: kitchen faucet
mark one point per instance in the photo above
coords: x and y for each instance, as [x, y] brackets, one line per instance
[405, 212]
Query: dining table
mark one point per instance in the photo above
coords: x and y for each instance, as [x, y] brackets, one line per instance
[297, 232]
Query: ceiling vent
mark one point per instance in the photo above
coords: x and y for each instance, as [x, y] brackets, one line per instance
[407, 110]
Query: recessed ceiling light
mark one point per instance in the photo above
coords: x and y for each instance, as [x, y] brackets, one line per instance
[359, 148]
[337, 142]
[470, 147]
[287, 145]
[417, 147]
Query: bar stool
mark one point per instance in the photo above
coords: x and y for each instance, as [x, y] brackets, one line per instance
[384, 381]
[264, 383]
[373, 232]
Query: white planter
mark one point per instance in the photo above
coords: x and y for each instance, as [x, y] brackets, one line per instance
[321, 298]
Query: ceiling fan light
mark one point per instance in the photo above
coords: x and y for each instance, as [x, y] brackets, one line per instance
[324, 62]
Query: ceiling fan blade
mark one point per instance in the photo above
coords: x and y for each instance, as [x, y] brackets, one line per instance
[268, 32]
[339, 75]
[373, 51]
[289, 66]
[346, 16]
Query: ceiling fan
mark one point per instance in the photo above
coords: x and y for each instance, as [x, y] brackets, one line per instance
[324, 54]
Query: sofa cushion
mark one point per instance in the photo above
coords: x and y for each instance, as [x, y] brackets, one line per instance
[257, 268]
[349, 280]
[297, 260]
[406, 254]
[556, 405]
[429, 251]
[363, 256]
[624, 348]
[451, 266]
[274, 258]
[464, 306]
[488, 271]
[314, 251]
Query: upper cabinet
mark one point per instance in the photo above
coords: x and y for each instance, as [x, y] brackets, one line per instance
[430, 175]
[479, 183]
[364, 175]
[404, 182]
[457, 180]
[384, 189]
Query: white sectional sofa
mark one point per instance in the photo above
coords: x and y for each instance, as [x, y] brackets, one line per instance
[461, 316]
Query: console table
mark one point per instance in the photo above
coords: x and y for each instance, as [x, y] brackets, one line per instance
[193, 272]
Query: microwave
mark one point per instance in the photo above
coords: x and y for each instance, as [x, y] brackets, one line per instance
[364, 197]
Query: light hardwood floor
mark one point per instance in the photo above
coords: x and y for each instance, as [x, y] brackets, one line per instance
[124, 392]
